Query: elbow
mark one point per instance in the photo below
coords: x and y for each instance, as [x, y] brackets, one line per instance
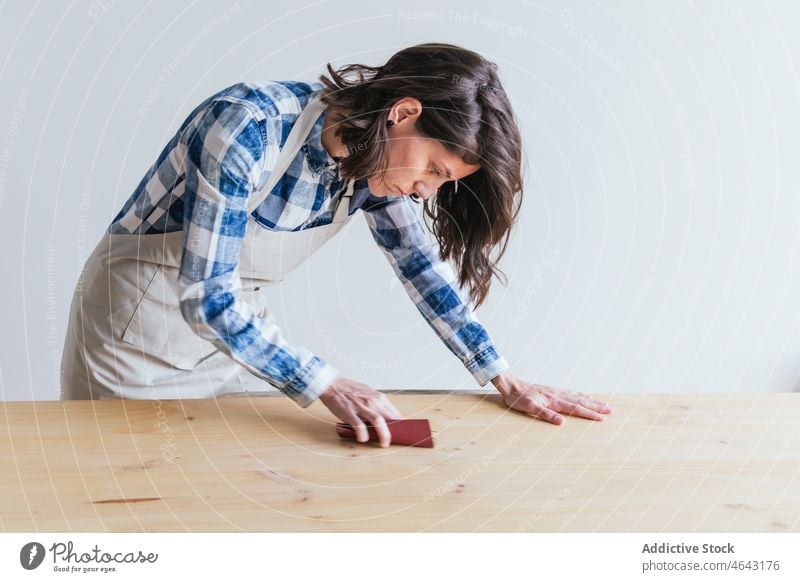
[199, 311]
[191, 311]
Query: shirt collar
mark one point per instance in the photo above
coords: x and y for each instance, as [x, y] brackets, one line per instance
[318, 157]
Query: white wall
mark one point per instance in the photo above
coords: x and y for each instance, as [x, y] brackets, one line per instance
[657, 250]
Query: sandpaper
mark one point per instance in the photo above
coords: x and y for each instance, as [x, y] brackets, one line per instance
[415, 432]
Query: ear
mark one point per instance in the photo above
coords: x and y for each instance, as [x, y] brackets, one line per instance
[406, 110]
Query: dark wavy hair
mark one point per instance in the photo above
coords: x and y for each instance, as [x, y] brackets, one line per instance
[465, 107]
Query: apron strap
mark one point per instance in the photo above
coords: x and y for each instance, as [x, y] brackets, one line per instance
[297, 136]
[342, 212]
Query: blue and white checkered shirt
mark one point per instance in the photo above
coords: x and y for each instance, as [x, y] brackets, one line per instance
[232, 139]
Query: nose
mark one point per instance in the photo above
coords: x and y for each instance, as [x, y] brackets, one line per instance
[425, 191]
[426, 187]
[419, 194]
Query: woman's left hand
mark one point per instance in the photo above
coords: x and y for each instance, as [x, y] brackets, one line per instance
[545, 403]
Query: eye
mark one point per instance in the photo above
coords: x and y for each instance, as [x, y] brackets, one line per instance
[437, 171]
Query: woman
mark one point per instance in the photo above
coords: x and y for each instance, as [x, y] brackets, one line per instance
[254, 181]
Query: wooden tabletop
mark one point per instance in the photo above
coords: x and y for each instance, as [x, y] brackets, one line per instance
[660, 463]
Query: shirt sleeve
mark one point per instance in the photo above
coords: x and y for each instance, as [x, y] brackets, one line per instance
[432, 285]
[224, 163]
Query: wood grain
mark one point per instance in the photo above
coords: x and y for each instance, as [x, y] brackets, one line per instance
[660, 463]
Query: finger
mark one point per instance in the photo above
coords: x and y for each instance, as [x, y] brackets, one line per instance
[603, 407]
[593, 404]
[546, 414]
[596, 405]
[382, 430]
[390, 411]
[607, 407]
[360, 429]
[575, 409]
[575, 393]
[578, 395]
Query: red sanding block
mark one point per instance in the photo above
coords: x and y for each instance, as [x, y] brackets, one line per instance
[415, 432]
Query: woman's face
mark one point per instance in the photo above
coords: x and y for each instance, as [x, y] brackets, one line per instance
[415, 163]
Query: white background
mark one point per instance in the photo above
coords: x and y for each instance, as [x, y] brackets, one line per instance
[657, 249]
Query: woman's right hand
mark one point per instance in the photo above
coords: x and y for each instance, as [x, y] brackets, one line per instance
[354, 403]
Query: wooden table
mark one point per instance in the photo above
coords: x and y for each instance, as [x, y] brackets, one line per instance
[660, 463]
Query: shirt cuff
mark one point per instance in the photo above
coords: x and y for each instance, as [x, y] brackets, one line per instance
[487, 364]
[310, 381]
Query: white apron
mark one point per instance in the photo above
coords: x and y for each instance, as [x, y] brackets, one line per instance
[126, 337]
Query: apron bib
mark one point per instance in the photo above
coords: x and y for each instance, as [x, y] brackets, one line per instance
[126, 336]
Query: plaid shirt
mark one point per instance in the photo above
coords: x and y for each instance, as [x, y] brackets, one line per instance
[231, 140]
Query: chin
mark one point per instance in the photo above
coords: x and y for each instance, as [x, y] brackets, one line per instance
[378, 189]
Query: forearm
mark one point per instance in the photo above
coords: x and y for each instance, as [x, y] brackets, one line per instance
[431, 284]
[257, 344]
[435, 293]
